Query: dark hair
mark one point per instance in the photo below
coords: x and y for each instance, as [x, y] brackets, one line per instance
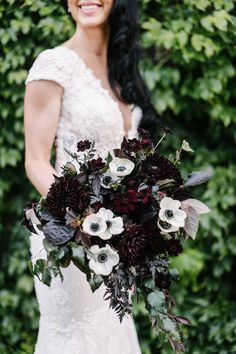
[123, 60]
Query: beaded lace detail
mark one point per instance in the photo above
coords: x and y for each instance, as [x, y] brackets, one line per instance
[73, 319]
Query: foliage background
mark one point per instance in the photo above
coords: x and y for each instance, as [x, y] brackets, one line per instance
[189, 64]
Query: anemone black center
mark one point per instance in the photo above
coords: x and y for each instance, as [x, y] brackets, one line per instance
[121, 169]
[102, 258]
[165, 225]
[95, 226]
[107, 180]
[169, 213]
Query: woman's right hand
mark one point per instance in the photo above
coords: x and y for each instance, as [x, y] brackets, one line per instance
[42, 105]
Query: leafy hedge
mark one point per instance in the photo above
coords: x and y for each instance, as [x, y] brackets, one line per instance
[189, 65]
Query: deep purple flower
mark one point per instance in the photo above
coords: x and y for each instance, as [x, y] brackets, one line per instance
[156, 167]
[163, 281]
[83, 145]
[174, 247]
[67, 192]
[131, 145]
[96, 164]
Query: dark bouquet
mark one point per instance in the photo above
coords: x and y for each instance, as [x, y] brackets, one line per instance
[119, 220]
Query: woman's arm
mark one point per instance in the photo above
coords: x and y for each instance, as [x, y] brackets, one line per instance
[41, 114]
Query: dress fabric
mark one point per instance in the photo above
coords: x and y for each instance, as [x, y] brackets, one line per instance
[73, 320]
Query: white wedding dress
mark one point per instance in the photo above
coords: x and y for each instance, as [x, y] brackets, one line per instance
[74, 320]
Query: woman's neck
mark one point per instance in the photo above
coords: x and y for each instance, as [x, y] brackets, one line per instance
[90, 42]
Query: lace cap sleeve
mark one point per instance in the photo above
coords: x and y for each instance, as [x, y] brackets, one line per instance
[52, 64]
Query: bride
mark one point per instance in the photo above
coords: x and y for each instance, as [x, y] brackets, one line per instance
[86, 88]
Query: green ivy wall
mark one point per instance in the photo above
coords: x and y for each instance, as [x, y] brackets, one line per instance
[189, 64]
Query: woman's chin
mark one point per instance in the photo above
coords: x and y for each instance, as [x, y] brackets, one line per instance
[91, 17]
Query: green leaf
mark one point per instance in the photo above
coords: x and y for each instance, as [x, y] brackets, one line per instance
[95, 282]
[157, 300]
[78, 257]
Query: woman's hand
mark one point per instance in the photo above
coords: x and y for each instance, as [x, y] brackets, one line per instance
[42, 107]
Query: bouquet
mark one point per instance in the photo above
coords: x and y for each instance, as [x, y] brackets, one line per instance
[119, 220]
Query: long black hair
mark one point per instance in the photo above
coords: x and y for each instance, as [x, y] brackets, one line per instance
[123, 60]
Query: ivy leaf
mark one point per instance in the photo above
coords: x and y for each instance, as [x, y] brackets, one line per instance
[191, 222]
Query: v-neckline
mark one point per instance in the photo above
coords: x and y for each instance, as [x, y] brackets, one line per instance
[102, 88]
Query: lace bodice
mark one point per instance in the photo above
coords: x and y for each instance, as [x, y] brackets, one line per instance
[73, 319]
[88, 111]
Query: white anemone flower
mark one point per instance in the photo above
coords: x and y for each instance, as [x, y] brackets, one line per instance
[107, 179]
[94, 225]
[115, 225]
[121, 167]
[102, 260]
[170, 212]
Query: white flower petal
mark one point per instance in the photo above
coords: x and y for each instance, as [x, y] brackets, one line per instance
[107, 214]
[108, 178]
[91, 221]
[103, 268]
[121, 167]
[106, 235]
[117, 226]
[171, 228]
[169, 203]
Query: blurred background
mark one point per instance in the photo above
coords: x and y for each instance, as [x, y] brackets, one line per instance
[189, 64]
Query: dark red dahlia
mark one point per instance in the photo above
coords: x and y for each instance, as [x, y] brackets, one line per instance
[144, 195]
[123, 203]
[83, 145]
[156, 167]
[174, 247]
[96, 206]
[66, 192]
[134, 244]
[96, 164]
[77, 197]
[163, 281]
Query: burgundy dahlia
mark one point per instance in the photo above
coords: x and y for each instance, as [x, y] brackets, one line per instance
[83, 145]
[156, 167]
[134, 244]
[123, 203]
[174, 247]
[66, 192]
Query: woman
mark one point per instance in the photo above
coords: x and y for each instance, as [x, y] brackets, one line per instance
[86, 88]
